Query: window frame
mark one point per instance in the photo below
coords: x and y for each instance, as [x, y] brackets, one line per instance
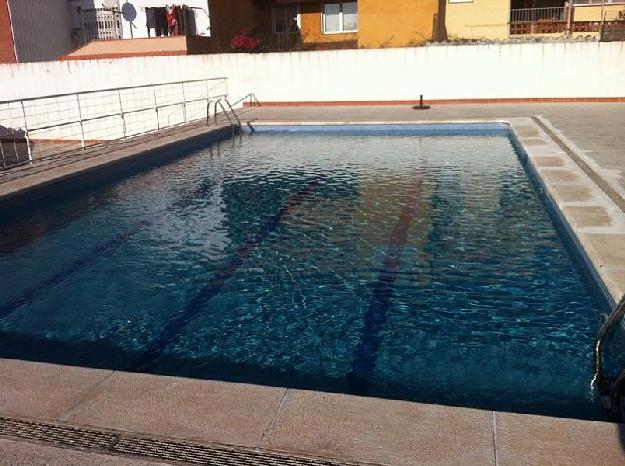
[595, 3]
[274, 16]
[341, 22]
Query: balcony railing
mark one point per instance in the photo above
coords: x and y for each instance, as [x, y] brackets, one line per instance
[532, 15]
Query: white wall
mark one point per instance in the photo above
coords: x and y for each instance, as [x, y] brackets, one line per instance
[583, 69]
[41, 28]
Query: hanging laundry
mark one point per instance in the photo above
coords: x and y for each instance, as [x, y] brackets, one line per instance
[172, 22]
[181, 20]
[161, 21]
[150, 19]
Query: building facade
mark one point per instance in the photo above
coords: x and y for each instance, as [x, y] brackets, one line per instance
[37, 30]
[34, 30]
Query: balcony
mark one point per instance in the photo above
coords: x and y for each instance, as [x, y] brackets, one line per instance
[559, 20]
[538, 20]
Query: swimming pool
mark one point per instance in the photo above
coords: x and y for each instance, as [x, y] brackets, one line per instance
[411, 262]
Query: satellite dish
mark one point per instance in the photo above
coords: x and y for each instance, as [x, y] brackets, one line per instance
[109, 3]
[129, 12]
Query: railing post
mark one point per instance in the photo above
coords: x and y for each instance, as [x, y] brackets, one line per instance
[570, 11]
[82, 128]
[208, 102]
[121, 110]
[27, 136]
[82, 23]
[184, 103]
[158, 123]
[17, 154]
[4, 162]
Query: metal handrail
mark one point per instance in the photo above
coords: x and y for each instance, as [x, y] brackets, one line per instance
[252, 97]
[219, 102]
[611, 393]
[110, 89]
[120, 114]
[30, 124]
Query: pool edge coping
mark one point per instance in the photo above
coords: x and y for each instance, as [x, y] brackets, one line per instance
[368, 430]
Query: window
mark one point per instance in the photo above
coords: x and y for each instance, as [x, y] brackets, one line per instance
[285, 19]
[340, 17]
[595, 2]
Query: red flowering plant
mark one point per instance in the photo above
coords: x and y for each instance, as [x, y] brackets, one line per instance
[246, 41]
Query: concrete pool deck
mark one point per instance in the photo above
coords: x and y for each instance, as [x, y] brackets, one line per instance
[346, 428]
[342, 428]
[67, 166]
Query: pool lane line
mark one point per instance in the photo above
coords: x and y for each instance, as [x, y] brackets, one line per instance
[94, 255]
[366, 352]
[172, 328]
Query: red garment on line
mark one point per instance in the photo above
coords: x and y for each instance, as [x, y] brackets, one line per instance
[172, 22]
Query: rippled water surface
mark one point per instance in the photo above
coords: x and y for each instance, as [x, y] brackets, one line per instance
[423, 268]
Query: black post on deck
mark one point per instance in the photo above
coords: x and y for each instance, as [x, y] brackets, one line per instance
[420, 106]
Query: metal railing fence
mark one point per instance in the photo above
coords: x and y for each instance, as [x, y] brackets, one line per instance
[38, 127]
[530, 15]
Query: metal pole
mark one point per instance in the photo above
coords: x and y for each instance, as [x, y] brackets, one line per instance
[121, 110]
[17, 154]
[208, 102]
[184, 103]
[30, 154]
[4, 162]
[602, 19]
[82, 23]
[82, 128]
[158, 123]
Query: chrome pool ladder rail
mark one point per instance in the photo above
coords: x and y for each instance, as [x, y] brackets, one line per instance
[253, 100]
[610, 392]
[228, 112]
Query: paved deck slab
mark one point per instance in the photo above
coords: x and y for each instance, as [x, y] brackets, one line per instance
[537, 440]
[30, 389]
[607, 249]
[582, 216]
[206, 411]
[381, 431]
[575, 193]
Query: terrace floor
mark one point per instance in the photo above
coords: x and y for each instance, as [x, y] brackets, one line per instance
[305, 426]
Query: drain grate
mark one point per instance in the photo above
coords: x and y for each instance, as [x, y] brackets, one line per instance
[66, 435]
[155, 448]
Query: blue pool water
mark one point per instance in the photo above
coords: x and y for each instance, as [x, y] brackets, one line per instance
[419, 265]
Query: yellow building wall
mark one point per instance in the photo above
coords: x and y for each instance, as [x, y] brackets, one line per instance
[311, 27]
[395, 23]
[479, 19]
[227, 22]
[593, 13]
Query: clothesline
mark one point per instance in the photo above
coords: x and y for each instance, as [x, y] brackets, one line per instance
[173, 20]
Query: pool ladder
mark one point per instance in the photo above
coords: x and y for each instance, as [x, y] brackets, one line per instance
[229, 112]
[611, 391]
